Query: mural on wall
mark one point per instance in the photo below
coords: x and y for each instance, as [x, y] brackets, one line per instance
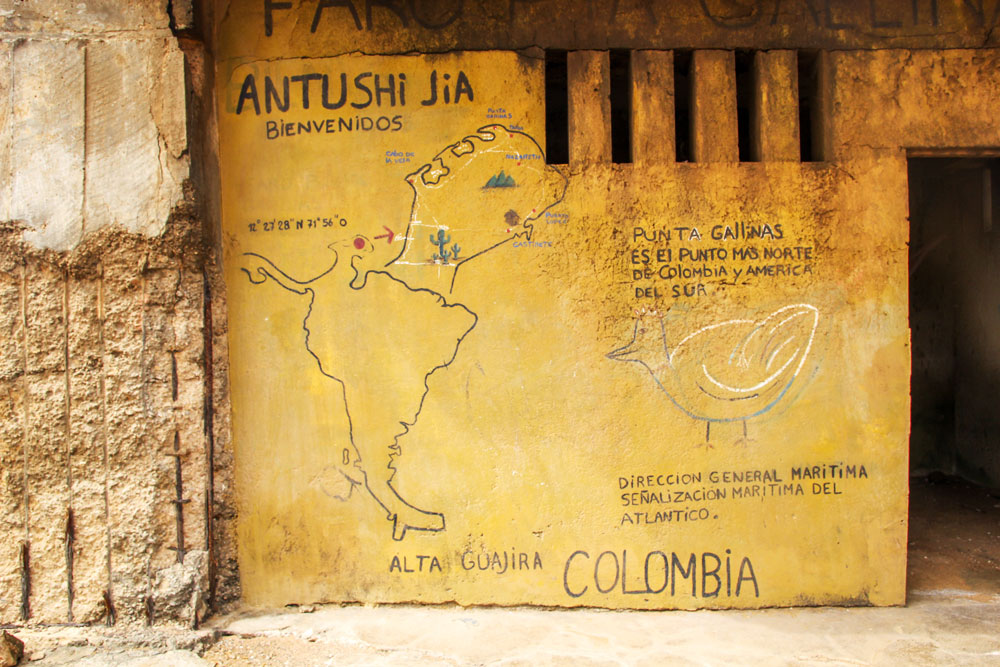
[731, 371]
[460, 373]
[431, 328]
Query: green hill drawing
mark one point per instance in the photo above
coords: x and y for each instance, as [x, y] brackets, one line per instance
[500, 180]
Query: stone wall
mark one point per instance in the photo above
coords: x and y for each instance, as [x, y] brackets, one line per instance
[113, 373]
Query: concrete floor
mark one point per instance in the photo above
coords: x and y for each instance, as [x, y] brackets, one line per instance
[934, 630]
[952, 618]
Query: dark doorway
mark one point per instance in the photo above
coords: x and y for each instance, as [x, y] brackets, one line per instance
[955, 317]
[955, 384]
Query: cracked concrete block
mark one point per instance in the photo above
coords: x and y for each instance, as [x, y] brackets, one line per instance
[47, 142]
[136, 134]
[83, 17]
[86, 460]
[179, 590]
[5, 130]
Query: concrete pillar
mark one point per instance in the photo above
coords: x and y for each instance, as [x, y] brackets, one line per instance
[47, 456]
[86, 443]
[774, 132]
[589, 81]
[6, 122]
[102, 362]
[653, 134]
[714, 129]
[135, 114]
[13, 526]
[47, 142]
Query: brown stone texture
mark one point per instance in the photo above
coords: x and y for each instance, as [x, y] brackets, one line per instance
[103, 373]
[95, 16]
[221, 508]
[774, 128]
[713, 107]
[653, 136]
[12, 453]
[305, 29]
[589, 106]
[87, 474]
[47, 427]
[11, 650]
[883, 100]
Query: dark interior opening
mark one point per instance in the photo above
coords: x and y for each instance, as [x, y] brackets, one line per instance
[682, 105]
[556, 108]
[621, 105]
[745, 92]
[955, 317]
[954, 269]
[808, 106]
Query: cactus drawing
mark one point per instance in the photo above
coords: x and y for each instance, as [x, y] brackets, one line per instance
[454, 251]
[441, 240]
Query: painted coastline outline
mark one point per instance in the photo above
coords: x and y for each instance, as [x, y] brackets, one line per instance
[459, 148]
[462, 147]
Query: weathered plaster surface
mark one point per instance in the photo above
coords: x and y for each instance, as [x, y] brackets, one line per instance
[136, 134]
[96, 132]
[887, 100]
[522, 437]
[304, 28]
[47, 141]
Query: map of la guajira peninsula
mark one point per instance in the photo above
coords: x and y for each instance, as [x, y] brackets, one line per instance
[461, 373]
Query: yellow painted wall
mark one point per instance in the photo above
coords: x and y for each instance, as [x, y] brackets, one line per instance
[553, 417]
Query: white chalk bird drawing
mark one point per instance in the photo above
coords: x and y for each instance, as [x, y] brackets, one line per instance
[726, 372]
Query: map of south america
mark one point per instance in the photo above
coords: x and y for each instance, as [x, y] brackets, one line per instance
[473, 197]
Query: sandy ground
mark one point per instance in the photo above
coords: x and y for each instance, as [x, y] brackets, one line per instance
[954, 537]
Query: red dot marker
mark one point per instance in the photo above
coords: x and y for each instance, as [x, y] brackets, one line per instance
[359, 243]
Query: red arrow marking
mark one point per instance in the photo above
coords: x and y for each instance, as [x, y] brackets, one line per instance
[391, 235]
